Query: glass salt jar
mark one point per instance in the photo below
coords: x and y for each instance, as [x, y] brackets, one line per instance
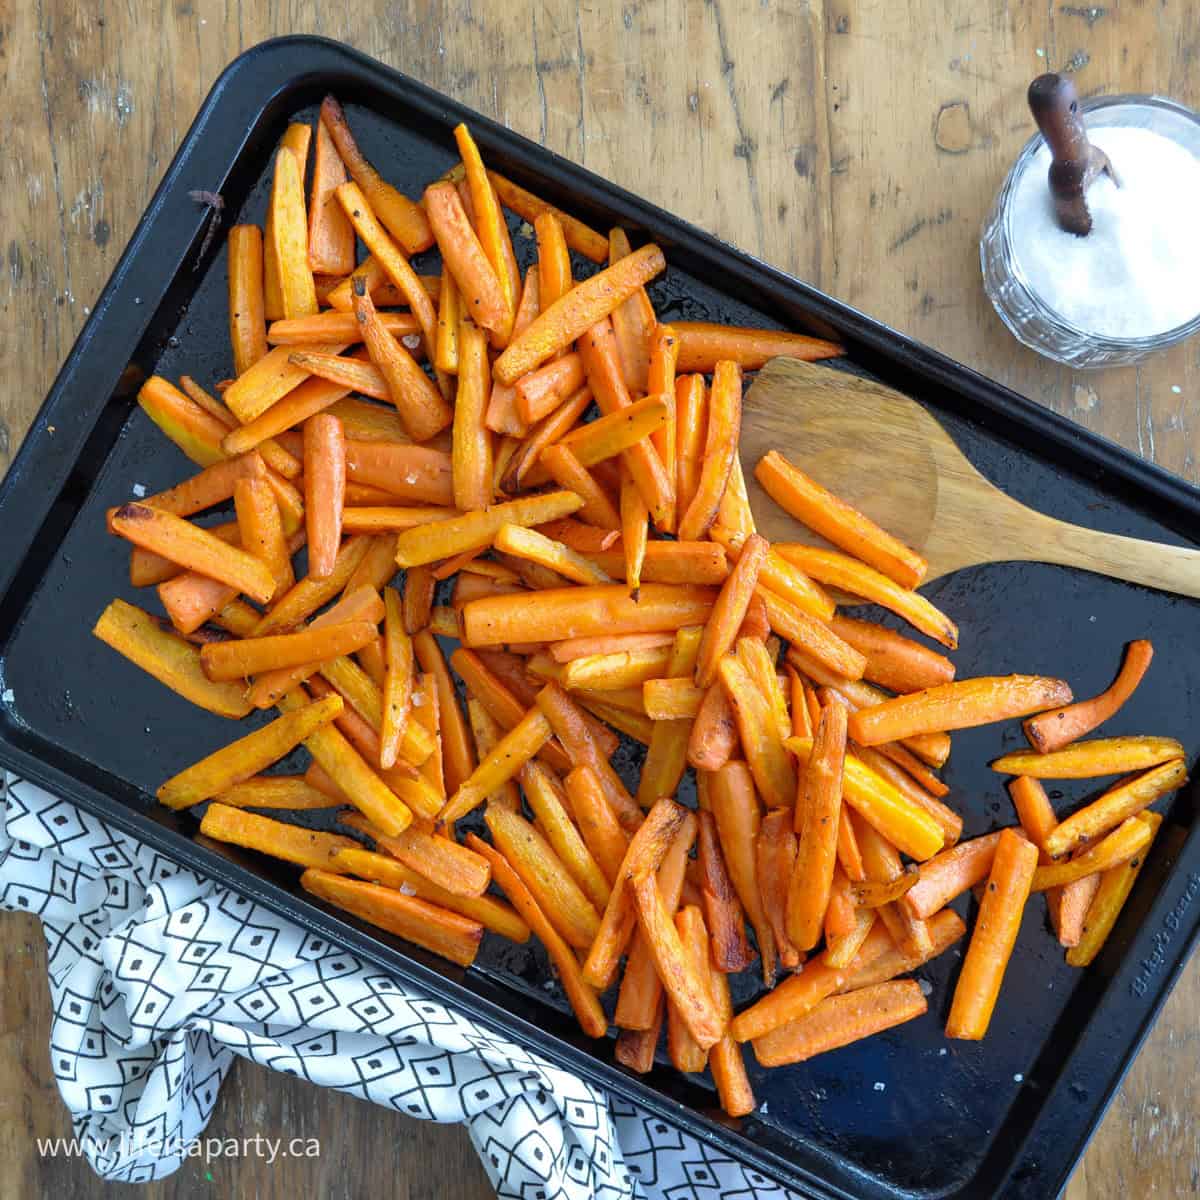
[1132, 285]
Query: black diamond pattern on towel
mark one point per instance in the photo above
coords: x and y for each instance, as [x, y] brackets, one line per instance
[158, 977]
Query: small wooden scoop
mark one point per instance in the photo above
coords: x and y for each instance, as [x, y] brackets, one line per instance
[886, 455]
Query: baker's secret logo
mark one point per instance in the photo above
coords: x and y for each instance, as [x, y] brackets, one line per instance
[1172, 923]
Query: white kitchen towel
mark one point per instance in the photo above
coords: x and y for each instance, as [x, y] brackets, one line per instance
[159, 976]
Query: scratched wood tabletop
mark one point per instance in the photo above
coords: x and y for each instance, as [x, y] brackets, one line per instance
[855, 144]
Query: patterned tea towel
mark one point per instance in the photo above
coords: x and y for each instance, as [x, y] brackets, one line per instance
[159, 976]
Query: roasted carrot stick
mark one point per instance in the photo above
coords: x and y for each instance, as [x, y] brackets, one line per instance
[950, 874]
[682, 979]
[196, 432]
[635, 520]
[884, 960]
[762, 743]
[993, 938]
[720, 447]
[256, 655]
[725, 1060]
[691, 424]
[641, 988]
[951, 823]
[580, 995]
[487, 732]
[287, 232]
[291, 792]
[839, 1020]
[292, 843]
[633, 322]
[587, 647]
[667, 755]
[397, 681]
[272, 378]
[818, 812]
[1115, 885]
[775, 856]
[471, 453]
[610, 672]
[418, 402]
[330, 326]
[730, 609]
[635, 1048]
[1126, 799]
[330, 234]
[685, 1052]
[959, 705]
[722, 908]
[1074, 900]
[714, 733]
[702, 345]
[458, 755]
[169, 658]
[404, 219]
[525, 543]
[1127, 840]
[735, 808]
[908, 827]
[790, 1000]
[577, 311]
[502, 414]
[525, 204]
[646, 850]
[841, 571]
[247, 321]
[580, 611]
[324, 490]
[260, 530]
[597, 821]
[194, 548]
[570, 474]
[1054, 730]
[1086, 760]
[483, 295]
[547, 800]
[542, 391]
[805, 499]
[893, 661]
[672, 699]
[810, 636]
[660, 381]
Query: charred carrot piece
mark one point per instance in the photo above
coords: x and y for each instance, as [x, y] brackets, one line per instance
[722, 908]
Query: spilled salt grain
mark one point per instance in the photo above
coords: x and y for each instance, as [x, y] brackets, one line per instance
[407, 889]
[139, 490]
[925, 986]
[1176, 389]
[418, 699]
[7, 696]
[880, 1087]
[943, 1052]
[1018, 1078]
[411, 340]
[762, 1108]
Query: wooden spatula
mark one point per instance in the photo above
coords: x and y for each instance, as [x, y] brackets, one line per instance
[886, 455]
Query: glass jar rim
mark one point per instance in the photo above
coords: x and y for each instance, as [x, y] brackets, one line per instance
[1107, 342]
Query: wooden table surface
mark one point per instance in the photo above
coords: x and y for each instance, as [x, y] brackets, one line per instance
[855, 144]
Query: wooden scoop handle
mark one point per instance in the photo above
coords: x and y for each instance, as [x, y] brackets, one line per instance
[1055, 107]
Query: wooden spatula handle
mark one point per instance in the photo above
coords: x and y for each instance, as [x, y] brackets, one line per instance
[1171, 568]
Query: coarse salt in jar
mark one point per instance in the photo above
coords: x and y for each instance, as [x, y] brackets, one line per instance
[1132, 284]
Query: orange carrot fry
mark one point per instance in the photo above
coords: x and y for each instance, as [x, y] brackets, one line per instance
[840, 919]
[491, 913]
[762, 743]
[838, 570]
[789, 1001]
[685, 1053]
[1126, 799]
[950, 874]
[544, 434]
[1054, 730]
[547, 799]
[445, 355]
[1075, 899]
[554, 259]
[951, 823]
[839, 1020]
[540, 869]
[818, 809]
[519, 542]
[1127, 840]
[660, 381]
[720, 448]
[252, 656]
[173, 661]
[735, 808]
[775, 856]
[714, 732]
[691, 425]
[287, 231]
[490, 227]
[309, 594]
[194, 548]
[458, 754]
[893, 661]
[473, 530]
[725, 1060]
[597, 821]
[838, 522]
[1115, 885]
[995, 933]
[635, 1048]
[247, 320]
[542, 391]
[276, 791]
[581, 611]
[577, 311]
[667, 755]
[330, 234]
[672, 699]
[633, 322]
[811, 637]
[641, 987]
[1086, 760]
[703, 345]
[959, 705]
[880, 959]
[730, 609]
[635, 518]
[525, 204]
[482, 292]
[403, 219]
[457, 869]
[471, 455]
[419, 585]
[487, 732]
[417, 400]
[446, 933]
[292, 843]
[324, 490]
[572, 729]
[588, 647]
[260, 530]
[569, 473]
[682, 979]
[910, 764]
[581, 996]
[397, 680]
[722, 908]
[646, 850]
[502, 414]
[247, 756]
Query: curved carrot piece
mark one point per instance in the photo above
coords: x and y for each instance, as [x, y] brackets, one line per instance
[960, 705]
[1054, 730]
[702, 345]
[730, 608]
[482, 294]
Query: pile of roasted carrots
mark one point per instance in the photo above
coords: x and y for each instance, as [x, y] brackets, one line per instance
[604, 577]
